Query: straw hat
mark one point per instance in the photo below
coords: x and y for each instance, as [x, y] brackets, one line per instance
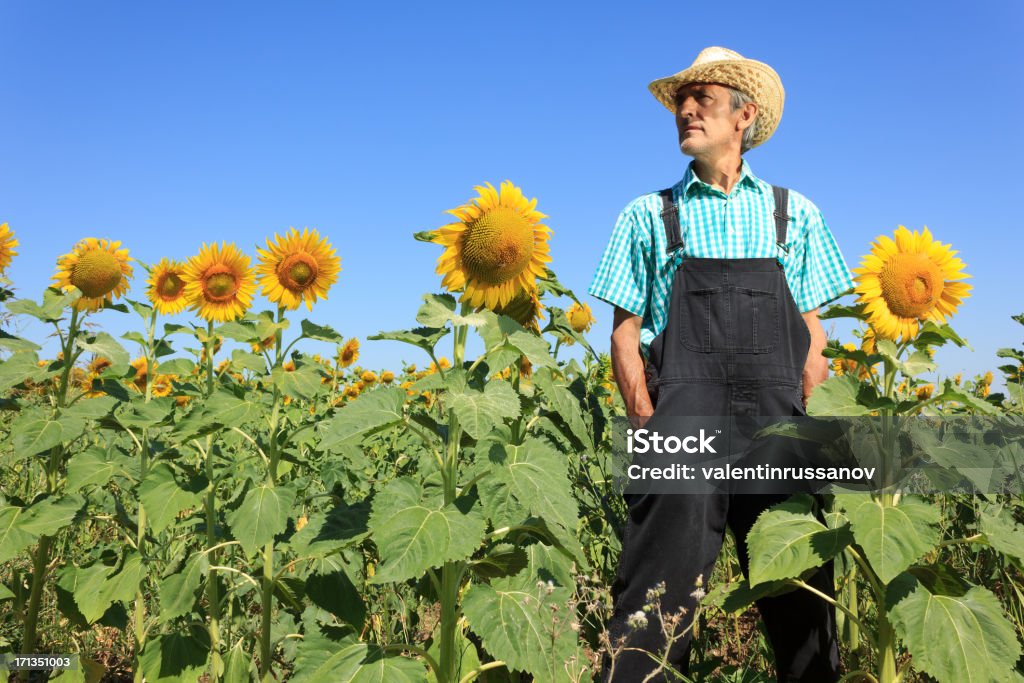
[719, 65]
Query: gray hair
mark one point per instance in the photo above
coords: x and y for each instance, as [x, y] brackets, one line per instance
[738, 100]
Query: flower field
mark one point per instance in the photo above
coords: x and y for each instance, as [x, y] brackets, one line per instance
[238, 499]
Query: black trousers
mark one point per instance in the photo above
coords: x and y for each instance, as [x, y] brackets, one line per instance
[674, 538]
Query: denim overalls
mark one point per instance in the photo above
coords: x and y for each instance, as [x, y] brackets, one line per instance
[735, 344]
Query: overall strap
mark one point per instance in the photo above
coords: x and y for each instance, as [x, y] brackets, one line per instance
[670, 216]
[781, 215]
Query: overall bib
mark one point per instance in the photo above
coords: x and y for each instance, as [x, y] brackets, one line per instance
[735, 344]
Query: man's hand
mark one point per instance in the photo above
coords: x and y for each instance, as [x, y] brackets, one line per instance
[816, 367]
[628, 366]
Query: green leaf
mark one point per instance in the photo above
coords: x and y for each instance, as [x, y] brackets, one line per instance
[787, 540]
[164, 497]
[5, 593]
[13, 344]
[22, 366]
[301, 383]
[240, 331]
[439, 309]
[371, 412]
[343, 526]
[97, 590]
[140, 414]
[425, 338]
[894, 537]
[21, 527]
[52, 308]
[951, 392]
[347, 660]
[336, 593]
[262, 515]
[321, 332]
[182, 367]
[36, 435]
[1002, 531]
[244, 360]
[502, 560]
[48, 516]
[238, 665]
[523, 624]
[479, 411]
[918, 364]
[178, 591]
[836, 396]
[531, 481]
[954, 638]
[90, 408]
[96, 466]
[742, 595]
[107, 347]
[414, 531]
[176, 657]
[565, 404]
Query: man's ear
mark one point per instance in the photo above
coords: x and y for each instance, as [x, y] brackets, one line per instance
[747, 116]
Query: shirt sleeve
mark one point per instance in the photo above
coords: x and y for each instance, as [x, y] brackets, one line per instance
[824, 275]
[623, 277]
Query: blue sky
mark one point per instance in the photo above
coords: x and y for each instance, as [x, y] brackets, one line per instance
[166, 125]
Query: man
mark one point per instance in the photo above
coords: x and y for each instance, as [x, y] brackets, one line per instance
[716, 293]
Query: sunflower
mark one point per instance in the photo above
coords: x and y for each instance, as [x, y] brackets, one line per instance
[924, 392]
[368, 378]
[845, 366]
[166, 288]
[910, 279]
[96, 267]
[580, 317]
[349, 353]
[7, 245]
[387, 377]
[265, 344]
[219, 283]
[163, 385]
[496, 249]
[141, 373]
[525, 308]
[297, 268]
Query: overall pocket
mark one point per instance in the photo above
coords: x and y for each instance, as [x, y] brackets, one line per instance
[729, 318]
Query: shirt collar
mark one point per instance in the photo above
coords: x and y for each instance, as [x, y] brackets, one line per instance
[690, 180]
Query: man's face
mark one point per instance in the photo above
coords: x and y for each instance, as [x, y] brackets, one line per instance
[705, 119]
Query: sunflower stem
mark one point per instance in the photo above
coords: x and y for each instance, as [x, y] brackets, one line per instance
[41, 559]
[267, 588]
[212, 581]
[140, 602]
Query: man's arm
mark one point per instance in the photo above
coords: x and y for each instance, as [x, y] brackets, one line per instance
[816, 367]
[628, 366]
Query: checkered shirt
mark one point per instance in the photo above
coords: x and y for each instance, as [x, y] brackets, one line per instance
[635, 272]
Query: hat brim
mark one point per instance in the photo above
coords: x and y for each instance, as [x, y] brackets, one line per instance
[756, 79]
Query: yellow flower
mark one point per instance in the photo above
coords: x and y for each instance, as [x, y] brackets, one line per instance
[988, 377]
[222, 366]
[410, 369]
[349, 353]
[141, 373]
[352, 390]
[525, 308]
[7, 245]
[496, 249]
[265, 344]
[902, 387]
[297, 268]
[957, 378]
[387, 377]
[163, 385]
[867, 341]
[842, 366]
[167, 287]
[368, 377]
[96, 267]
[908, 280]
[581, 318]
[288, 366]
[924, 392]
[217, 342]
[219, 282]
[97, 365]
[301, 522]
